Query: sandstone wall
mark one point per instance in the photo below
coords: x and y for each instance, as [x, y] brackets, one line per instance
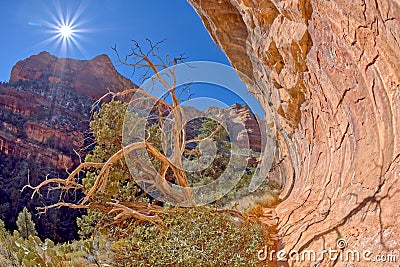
[329, 70]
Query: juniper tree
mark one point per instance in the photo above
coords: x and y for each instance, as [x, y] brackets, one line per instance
[108, 187]
[25, 224]
[158, 157]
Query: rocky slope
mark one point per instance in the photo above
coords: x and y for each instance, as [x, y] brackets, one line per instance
[90, 78]
[244, 124]
[328, 72]
[45, 111]
[237, 116]
[47, 104]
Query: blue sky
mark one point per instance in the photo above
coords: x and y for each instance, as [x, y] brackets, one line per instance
[103, 24]
[100, 24]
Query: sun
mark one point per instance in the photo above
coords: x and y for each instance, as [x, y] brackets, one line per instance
[65, 31]
[66, 34]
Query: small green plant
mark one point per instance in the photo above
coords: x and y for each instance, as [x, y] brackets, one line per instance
[7, 249]
[26, 226]
[34, 252]
[87, 223]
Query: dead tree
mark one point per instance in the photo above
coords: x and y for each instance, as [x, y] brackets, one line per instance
[152, 65]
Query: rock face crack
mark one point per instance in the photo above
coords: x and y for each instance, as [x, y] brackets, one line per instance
[328, 70]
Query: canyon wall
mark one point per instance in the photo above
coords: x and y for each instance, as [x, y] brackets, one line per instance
[329, 73]
[45, 111]
[45, 108]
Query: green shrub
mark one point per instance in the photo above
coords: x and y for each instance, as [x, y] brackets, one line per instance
[26, 226]
[86, 253]
[192, 237]
[7, 249]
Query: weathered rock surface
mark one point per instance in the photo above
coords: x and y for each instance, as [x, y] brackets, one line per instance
[46, 106]
[329, 72]
[252, 125]
[26, 130]
[91, 78]
[245, 126]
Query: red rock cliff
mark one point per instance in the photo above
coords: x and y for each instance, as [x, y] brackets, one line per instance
[88, 77]
[45, 108]
[329, 70]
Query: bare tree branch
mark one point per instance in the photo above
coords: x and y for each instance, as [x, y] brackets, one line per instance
[163, 71]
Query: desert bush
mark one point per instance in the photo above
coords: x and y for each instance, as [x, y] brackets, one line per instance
[7, 249]
[192, 237]
[84, 253]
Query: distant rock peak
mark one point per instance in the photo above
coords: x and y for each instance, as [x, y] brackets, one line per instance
[45, 108]
[92, 78]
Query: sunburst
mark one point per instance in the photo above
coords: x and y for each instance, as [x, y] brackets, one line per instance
[66, 30]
